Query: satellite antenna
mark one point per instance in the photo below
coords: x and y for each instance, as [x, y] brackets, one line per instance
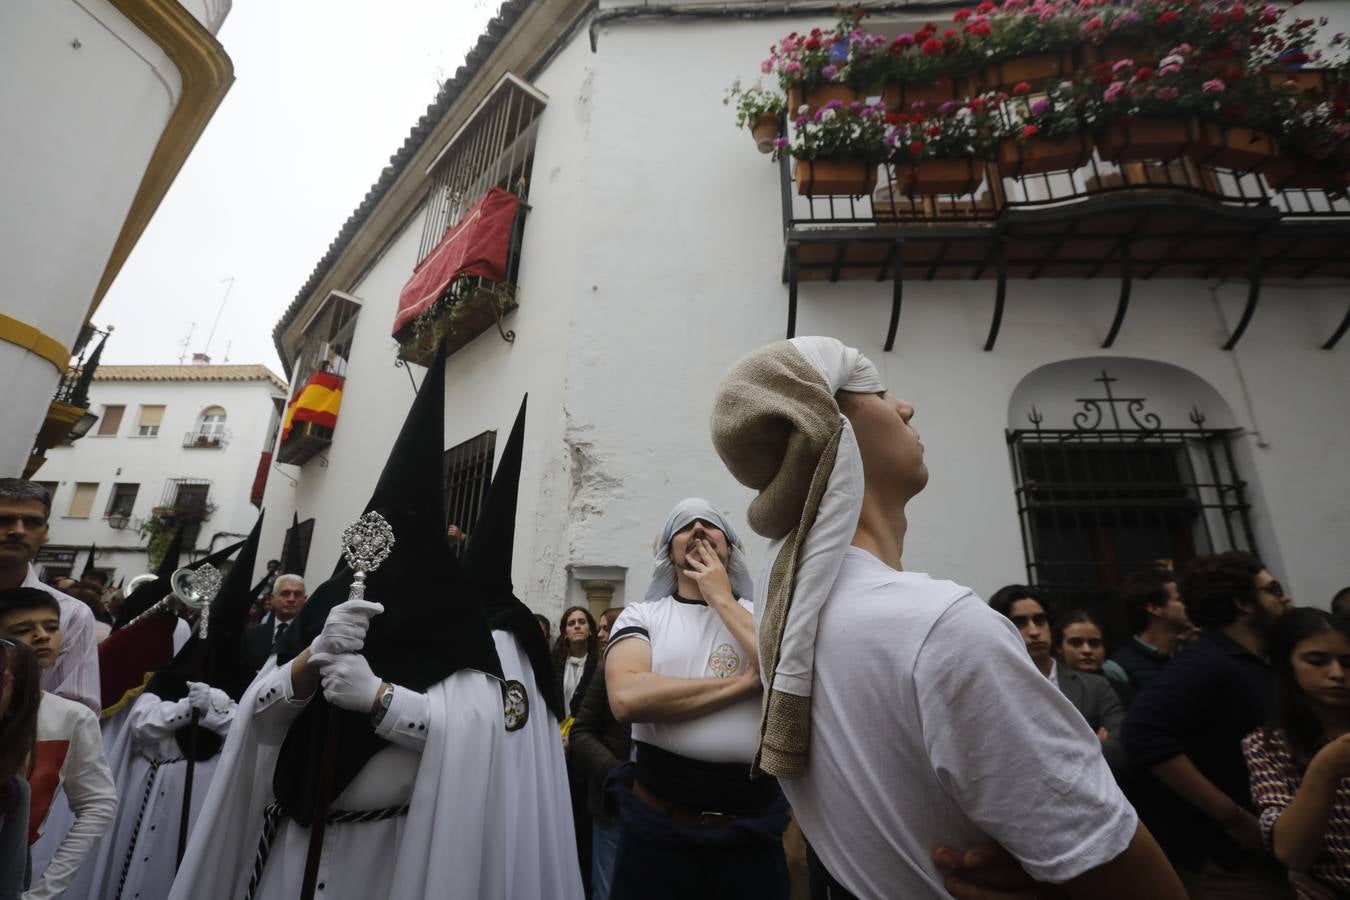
[187, 339]
[223, 301]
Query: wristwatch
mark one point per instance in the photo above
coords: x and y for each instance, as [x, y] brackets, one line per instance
[386, 699]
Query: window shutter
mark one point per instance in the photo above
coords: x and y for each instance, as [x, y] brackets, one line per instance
[151, 416]
[83, 500]
[111, 420]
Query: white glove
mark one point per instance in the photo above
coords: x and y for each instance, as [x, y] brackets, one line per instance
[347, 681]
[345, 629]
[199, 696]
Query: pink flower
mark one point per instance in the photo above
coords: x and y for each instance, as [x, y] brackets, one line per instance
[1213, 86]
[829, 72]
[1113, 91]
[766, 67]
[1122, 64]
[1167, 93]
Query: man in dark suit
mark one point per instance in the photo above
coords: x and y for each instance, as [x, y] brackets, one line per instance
[260, 641]
[1090, 694]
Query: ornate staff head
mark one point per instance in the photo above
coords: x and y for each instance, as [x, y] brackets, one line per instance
[366, 543]
[195, 589]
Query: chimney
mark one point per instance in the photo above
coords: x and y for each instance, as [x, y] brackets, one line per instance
[201, 359]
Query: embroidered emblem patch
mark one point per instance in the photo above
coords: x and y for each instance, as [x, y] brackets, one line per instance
[515, 705]
[725, 661]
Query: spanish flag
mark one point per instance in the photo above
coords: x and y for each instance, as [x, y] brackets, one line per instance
[318, 402]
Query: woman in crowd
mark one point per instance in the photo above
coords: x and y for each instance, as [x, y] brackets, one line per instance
[1299, 762]
[18, 730]
[574, 656]
[1081, 645]
[574, 659]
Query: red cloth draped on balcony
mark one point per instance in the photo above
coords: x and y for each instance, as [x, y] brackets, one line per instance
[318, 402]
[255, 495]
[478, 245]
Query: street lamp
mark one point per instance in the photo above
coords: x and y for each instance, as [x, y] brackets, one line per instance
[82, 425]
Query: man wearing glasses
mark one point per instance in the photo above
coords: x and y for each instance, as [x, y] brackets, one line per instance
[1187, 726]
[288, 596]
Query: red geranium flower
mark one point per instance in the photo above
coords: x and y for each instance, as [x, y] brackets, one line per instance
[1143, 73]
[1029, 131]
[961, 15]
[1021, 87]
[985, 8]
[932, 47]
[916, 148]
[813, 43]
[1169, 17]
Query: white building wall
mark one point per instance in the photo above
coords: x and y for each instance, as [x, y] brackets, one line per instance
[652, 260]
[84, 98]
[152, 461]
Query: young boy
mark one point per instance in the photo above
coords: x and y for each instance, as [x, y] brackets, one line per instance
[69, 750]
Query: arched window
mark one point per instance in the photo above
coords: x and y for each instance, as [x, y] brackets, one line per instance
[212, 424]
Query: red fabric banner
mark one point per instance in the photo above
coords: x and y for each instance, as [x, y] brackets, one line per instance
[255, 495]
[128, 656]
[478, 245]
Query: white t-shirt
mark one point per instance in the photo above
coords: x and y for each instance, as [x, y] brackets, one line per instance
[689, 640]
[931, 726]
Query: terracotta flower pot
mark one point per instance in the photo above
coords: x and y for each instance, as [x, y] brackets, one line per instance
[1113, 50]
[1305, 81]
[816, 97]
[902, 95]
[822, 177]
[766, 129]
[1036, 154]
[1146, 137]
[1239, 149]
[944, 176]
[1035, 70]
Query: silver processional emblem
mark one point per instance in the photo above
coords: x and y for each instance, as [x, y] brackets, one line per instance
[196, 588]
[366, 543]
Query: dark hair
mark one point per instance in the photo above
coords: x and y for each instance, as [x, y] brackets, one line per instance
[617, 610]
[560, 648]
[1213, 586]
[1294, 713]
[1006, 596]
[23, 489]
[18, 725]
[1340, 602]
[1072, 617]
[28, 598]
[1142, 589]
[544, 620]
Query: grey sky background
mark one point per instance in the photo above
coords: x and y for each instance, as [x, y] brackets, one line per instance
[325, 91]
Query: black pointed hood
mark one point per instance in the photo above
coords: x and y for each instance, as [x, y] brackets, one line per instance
[432, 625]
[488, 559]
[89, 563]
[293, 557]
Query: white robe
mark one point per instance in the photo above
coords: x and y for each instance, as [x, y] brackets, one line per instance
[452, 844]
[148, 735]
[543, 849]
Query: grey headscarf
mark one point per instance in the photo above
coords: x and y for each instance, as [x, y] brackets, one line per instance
[664, 580]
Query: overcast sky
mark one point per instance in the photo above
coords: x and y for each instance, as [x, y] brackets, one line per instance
[325, 91]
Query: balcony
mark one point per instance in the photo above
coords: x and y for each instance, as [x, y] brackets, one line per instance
[1127, 221]
[199, 439]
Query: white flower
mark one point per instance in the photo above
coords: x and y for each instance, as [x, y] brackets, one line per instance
[826, 115]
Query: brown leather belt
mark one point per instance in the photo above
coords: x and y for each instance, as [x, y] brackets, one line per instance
[683, 815]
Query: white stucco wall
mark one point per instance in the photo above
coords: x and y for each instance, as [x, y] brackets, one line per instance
[652, 261]
[152, 461]
[84, 98]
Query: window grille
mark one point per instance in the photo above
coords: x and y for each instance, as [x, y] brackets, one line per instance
[494, 148]
[1118, 492]
[188, 498]
[468, 474]
[123, 500]
[328, 341]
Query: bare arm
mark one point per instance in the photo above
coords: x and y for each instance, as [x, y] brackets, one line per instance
[990, 873]
[1181, 775]
[636, 694]
[715, 586]
[1300, 830]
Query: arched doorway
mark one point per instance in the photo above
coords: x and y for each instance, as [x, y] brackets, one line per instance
[1120, 464]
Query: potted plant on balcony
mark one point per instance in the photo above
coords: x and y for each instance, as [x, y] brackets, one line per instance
[760, 110]
[1049, 133]
[842, 63]
[945, 153]
[930, 67]
[837, 148]
[1179, 108]
[1315, 145]
[1031, 42]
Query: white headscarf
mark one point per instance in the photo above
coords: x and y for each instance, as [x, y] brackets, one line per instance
[664, 577]
[779, 430]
